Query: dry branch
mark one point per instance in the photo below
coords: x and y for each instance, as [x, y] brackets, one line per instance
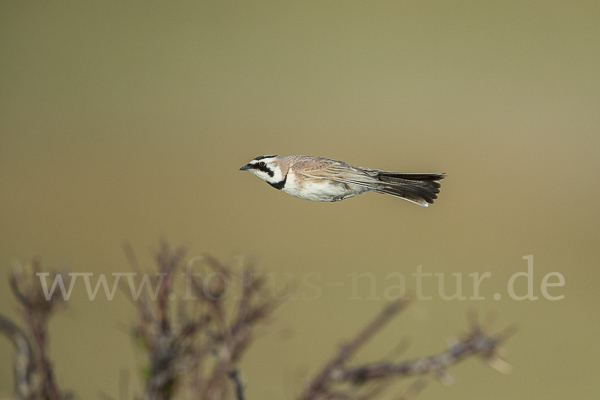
[34, 373]
[205, 341]
[195, 345]
[326, 383]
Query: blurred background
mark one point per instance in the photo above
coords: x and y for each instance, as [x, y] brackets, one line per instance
[130, 120]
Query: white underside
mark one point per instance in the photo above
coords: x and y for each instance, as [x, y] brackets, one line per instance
[321, 189]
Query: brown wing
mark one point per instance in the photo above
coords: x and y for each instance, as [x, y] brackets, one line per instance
[325, 168]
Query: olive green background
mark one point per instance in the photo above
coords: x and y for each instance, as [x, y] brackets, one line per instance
[129, 120]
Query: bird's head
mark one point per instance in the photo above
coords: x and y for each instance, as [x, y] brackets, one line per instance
[267, 168]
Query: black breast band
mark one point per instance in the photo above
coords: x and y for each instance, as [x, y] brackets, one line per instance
[279, 185]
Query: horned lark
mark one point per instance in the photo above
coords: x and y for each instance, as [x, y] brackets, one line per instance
[322, 179]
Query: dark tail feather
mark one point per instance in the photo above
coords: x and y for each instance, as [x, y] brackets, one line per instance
[421, 189]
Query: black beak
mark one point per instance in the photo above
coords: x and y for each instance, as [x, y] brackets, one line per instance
[246, 167]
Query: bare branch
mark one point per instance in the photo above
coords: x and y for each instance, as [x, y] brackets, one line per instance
[330, 382]
[34, 374]
[199, 344]
[215, 323]
[23, 358]
[319, 384]
[239, 386]
[477, 344]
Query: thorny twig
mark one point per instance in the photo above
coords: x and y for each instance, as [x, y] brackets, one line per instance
[325, 385]
[319, 385]
[34, 373]
[214, 323]
[477, 343]
[23, 358]
[200, 346]
[239, 386]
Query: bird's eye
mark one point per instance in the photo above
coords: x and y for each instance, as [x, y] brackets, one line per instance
[261, 164]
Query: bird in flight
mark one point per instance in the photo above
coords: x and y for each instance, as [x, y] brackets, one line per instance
[323, 179]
